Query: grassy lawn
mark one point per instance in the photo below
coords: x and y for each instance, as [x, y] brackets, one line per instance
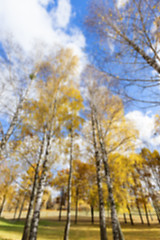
[51, 229]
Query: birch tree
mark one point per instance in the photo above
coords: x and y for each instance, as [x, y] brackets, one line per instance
[15, 83]
[103, 232]
[113, 133]
[128, 36]
[73, 123]
[46, 119]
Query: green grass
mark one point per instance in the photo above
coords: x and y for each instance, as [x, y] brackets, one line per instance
[51, 229]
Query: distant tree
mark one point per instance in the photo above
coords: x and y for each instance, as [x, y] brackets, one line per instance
[149, 176]
[83, 174]
[8, 175]
[60, 183]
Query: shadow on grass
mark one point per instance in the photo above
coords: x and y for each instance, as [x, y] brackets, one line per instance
[10, 226]
[49, 229]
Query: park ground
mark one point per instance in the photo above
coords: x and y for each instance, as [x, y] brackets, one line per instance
[51, 228]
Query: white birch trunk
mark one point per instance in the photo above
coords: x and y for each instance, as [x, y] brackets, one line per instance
[40, 191]
[68, 221]
[34, 191]
[117, 233]
[102, 219]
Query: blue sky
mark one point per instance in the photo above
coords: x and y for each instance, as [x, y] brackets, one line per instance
[35, 24]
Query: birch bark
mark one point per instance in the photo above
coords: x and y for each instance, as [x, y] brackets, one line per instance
[67, 226]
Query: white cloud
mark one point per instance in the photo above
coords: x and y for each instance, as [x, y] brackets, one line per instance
[30, 24]
[44, 2]
[27, 21]
[63, 13]
[145, 123]
[121, 3]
